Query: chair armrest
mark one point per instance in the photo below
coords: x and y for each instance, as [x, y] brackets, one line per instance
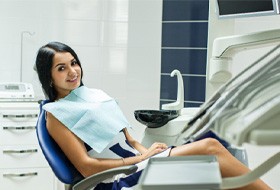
[93, 180]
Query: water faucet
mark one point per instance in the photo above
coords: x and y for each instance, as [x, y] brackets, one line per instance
[179, 104]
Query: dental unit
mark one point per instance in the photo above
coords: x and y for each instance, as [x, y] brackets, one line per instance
[256, 74]
[245, 109]
[165, 125]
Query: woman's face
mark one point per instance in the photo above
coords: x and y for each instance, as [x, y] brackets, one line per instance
[66, 73]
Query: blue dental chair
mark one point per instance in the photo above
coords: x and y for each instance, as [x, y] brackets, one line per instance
[63, 168]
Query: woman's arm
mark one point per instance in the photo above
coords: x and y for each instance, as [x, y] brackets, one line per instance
[135, 144]
[74, 149]
[146, 153]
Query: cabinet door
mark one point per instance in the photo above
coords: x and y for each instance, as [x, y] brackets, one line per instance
[14, 133]
[27, 179]
[22, 156]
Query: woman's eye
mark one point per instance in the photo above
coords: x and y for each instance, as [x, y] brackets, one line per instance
[60, 68]
[74, 62]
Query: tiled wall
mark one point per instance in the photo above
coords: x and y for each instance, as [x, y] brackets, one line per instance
[184, 47]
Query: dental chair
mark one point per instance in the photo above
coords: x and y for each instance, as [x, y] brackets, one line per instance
[63, 168]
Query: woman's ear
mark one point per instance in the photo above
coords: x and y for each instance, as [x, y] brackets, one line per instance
[35, 67]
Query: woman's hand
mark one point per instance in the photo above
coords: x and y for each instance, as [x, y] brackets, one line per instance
[139, 147]
[154, 149]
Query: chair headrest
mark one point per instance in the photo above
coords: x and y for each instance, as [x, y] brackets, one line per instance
[59, 163]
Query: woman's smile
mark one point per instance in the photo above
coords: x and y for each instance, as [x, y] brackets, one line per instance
[73, 79]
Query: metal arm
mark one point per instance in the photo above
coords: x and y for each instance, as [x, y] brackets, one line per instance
[224, 48]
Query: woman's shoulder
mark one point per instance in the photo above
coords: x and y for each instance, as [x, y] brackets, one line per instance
[51, 121]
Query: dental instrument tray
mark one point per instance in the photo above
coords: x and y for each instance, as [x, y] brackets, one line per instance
[181, 173]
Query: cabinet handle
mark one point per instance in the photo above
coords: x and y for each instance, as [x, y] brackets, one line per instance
[20, 175]
[19, 128]
[19, 151]
[21, 116]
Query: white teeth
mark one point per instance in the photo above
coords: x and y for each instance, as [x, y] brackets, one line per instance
[73, 79]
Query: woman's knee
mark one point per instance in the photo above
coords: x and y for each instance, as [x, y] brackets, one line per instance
[212, 146]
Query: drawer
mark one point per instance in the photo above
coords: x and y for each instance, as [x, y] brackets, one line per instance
[22, 156]
[19, 133]
[18, 116]
[27, 179]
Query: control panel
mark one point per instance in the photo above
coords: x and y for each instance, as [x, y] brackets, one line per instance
[16, 91]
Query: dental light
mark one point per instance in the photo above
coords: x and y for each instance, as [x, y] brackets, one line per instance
[224, 48]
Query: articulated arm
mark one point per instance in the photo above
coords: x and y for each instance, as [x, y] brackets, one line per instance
[224, 49]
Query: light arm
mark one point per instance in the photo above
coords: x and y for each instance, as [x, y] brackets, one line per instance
[224, 48]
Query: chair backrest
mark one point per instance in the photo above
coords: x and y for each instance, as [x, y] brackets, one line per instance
[59, 163]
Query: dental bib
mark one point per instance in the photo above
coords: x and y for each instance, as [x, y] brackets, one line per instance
[90, 114]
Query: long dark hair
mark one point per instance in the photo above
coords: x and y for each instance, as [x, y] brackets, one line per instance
[44, 61]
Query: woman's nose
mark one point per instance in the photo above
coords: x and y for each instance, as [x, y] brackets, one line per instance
[72, 71]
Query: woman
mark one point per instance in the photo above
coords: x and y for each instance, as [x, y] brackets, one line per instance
[60, 73]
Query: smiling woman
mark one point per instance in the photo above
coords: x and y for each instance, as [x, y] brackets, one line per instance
[92, 131]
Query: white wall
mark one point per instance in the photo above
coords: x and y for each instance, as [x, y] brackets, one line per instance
[227, 27]
[117, 41]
